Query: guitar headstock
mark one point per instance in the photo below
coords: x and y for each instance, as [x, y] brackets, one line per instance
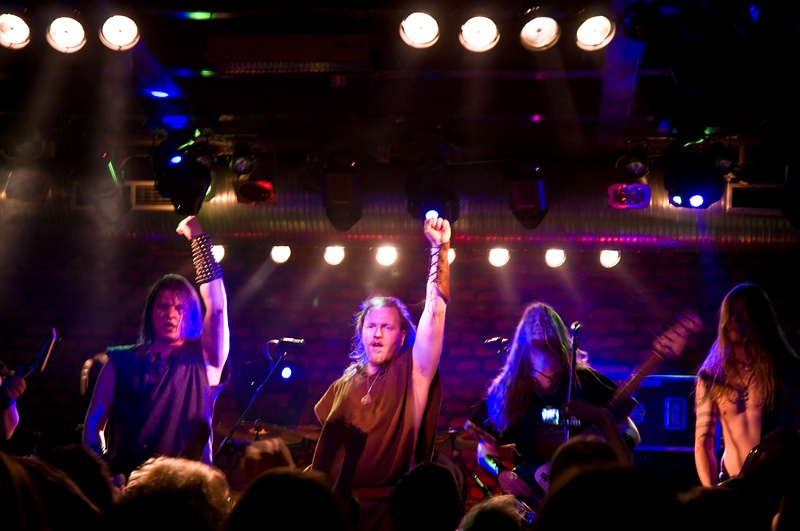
[40, 359]
[670, 343]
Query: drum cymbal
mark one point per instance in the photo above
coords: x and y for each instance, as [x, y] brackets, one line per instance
[309, 432]
[261, 430]
[455, 439]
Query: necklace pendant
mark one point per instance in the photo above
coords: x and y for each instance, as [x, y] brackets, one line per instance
[366, 399]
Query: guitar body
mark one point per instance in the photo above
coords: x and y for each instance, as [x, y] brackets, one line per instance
[537, 475]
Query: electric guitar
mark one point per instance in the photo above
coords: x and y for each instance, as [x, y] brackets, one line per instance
[669, 344]
[39, 360]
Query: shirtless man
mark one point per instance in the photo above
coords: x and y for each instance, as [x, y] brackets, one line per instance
[747, 385]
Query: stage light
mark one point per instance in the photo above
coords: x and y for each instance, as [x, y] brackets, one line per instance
[479, 34]
[218, 251]
[499, 257]
[15, 33]
[201, 151]
[624, 195]
[255, 176]
[119, 33]
[66, 34]
[419, 30]
[609, 258]
[101, 186]
[596, 30]
[280, 253]
[257, 188]
[634, 166]
[527, 195]
[540, 31]
[386, 255]
[29, 181]
[180, 175]
[630, 188]
[555, 257]
[694, 173]
[341, 182]
[334, 254]
[243, 161]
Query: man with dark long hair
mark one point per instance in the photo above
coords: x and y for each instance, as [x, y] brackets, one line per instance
[156, 397]
[536, 377]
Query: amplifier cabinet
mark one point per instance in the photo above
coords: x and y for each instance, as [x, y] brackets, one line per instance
[665, 413]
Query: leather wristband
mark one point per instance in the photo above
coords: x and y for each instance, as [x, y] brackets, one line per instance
[205, 266]
[442, 274]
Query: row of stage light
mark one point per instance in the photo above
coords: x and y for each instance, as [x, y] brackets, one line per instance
[67, 34]
[698, 167]
[539, 31]
[387, 255]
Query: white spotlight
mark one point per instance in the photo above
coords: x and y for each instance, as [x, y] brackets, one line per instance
[334, 254]
[609, 258]
[66, 35]
[119, 33]
[419, 30]
[540, 33]
[479, 34]
[386, 255]
[218, 251]
[595, 33]
[14, 32]
[499, 257]
[555, 257]
[280, 253]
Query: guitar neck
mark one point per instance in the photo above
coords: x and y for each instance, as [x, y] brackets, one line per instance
[626, 390]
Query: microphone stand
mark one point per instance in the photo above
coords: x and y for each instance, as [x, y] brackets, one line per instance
[573, 360]
[227, 438]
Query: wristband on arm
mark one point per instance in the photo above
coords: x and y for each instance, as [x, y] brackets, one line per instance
[442, 273]
[206, 267]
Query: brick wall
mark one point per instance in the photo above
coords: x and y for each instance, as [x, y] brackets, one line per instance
[92, 289]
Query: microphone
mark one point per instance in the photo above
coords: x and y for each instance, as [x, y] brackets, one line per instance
[291, 341]
[495, 343]
[575, 328]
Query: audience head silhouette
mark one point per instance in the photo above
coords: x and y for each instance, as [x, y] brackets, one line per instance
[426, 497]
[288, 493]
[202, 486]
[498, 513]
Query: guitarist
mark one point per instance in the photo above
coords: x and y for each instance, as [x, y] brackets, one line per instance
[535, 376]
[11, 387]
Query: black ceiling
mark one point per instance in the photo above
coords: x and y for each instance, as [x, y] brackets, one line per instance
[306, 82]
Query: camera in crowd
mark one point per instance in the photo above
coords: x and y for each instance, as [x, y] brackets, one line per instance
[553, 416]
